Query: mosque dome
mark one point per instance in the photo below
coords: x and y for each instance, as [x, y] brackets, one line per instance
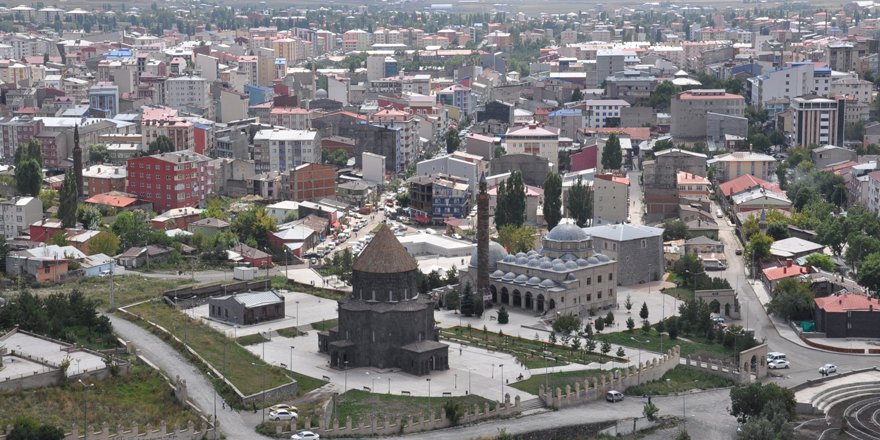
[496, 254]
[567, 232]
[534, 281]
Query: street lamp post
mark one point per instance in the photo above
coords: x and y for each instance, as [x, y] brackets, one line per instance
[639, 379]
[502, 382]
[291, 358]
[469, 380]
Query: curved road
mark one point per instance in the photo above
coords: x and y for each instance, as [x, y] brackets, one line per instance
[173, 364]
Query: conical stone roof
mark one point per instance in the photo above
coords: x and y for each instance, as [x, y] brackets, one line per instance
[385, 254]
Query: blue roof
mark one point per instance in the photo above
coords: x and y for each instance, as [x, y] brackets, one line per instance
[564, 112]
[118, 54]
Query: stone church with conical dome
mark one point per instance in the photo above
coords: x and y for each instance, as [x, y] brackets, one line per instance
[385, 323]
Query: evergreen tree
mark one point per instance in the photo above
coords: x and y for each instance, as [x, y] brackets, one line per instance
[577, 95]
[612, 156]
[479, 305]
[511, 202]
[504, 318]
[644, 312]
[68, 200]
[580, 203]
[467, 301]
[162, 144]
[553, 199]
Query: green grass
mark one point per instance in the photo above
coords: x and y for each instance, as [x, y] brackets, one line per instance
[680, 379]
[212, 345]
[529, 351]
[692, 347]
[539, 362]
[142, 396]
[680, 293]
[327, 324]
[279, 282]
[555, 380]
[253, 339]
[360, 405]
[128, 289]
[289, 332]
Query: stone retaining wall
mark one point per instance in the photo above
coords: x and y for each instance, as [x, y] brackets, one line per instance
[134, 432]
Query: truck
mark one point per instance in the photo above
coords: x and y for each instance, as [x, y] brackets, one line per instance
[244, 273]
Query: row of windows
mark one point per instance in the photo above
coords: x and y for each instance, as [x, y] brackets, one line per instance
[599, 279]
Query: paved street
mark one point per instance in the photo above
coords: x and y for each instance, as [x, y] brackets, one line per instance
[173, 364]
[707, 417]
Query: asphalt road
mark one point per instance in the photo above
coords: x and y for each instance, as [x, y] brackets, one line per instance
[174, 365]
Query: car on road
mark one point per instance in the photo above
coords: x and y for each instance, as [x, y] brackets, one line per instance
[614, 396]
[305, 435]
[282, 414]
[282, 406]
[827, 369]
[779, 363]
[739, 251]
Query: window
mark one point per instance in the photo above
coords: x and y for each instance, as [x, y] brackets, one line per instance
[589, 280]
[611, 276]
[599, 295]
[644, 243]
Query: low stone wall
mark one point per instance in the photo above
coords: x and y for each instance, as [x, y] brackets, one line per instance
[135, 432]
[595, 388]
[32, 381]
[723, 370]
[395, 425]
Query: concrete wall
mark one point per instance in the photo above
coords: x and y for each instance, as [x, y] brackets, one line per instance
[148, 432]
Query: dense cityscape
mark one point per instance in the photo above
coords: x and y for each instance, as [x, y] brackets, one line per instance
[439, 220]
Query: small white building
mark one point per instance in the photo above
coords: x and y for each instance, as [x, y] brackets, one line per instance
[16, 215]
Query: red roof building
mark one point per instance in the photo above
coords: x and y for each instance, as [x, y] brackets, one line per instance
[848, 315]
[745, 183]
[171, 180]
[773, 275]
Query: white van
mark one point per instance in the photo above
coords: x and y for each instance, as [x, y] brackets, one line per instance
[713, 264]
[775, 356]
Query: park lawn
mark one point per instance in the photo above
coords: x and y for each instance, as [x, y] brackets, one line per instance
[324, 325]
[212, 346]
[142, 396]
[532, 362]
[690, 347]
[128, 289]
[279, 282]
[680, 379]
[526, 350]
[289, 332]
[360, 405]
[556, 380]
[680, 293]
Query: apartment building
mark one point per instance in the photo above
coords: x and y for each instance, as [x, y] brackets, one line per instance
[171, 180]
[690, 111]
[99, 179]
[536, 140]
[312, 181]
[16, 215]
[293, 118]
[281, 150]
[191, 93]
[817, 120]
[604, 112]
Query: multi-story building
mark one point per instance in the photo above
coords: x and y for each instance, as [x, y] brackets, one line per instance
[692, 185]
[190, 93]
[281, 150]
[739, 163]
[104, 98]
[460, 97]
[793, 80]
[356, 40]
[630, 85]
[872, 201]
[604, 112]
[610, 199]
[163, 121]
[16, 215]
[690, 109]
[535, 140]
[458, 165]
[171, 180]
[16, 131]
[249, 65]
[632, 246]
[818, 121]
[567, 121]
[99, 179]
[841, 56]
[392, 118]
[380, 64]
[660, 177]
[293, 118]
[312, 181]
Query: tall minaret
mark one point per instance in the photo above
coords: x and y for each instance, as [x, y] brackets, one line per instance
[483, 239]
[77, 162]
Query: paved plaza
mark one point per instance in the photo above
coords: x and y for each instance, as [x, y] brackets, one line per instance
[51, 353]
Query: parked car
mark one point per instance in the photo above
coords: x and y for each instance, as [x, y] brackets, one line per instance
[739, 251]
[282, 415]
[614, 396]
[827, 369]
[282, 406]
[779, 363]
[305, 435]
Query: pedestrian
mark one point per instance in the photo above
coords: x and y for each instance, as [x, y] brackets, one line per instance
[223, 404]
[255, 406]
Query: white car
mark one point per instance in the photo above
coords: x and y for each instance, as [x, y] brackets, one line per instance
[779, 363]
[282, 414]
[828, 369]
[305, 435]
[614, 396]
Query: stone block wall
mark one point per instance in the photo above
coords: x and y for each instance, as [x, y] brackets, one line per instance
[134, 432]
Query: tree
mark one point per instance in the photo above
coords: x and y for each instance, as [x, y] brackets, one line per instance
[162, 144]
[68, 200]
[630, 324]
[661, 97]
[675, 229]
[26, 428]
[672, 328]
[255, 224]
[58, 239]
[32, 150]
[606, 348]
[98, 154]
[628, 305]
[821, 261]
[479, 305]
[620, 352]
[833, 234]
[28, 177]
[503, 317]
[612, 156]
[758, 248]
[516, 239]
[132, 228]
[89, 217]
[215, 208]
[792, 299]
[105, 243]
[662, 144]
[553, 199]
[600, 325]
[49, 197]
[650, 411]
[644, 312]
[467, 301]
[577, 95]
[580, 203]
[511, 201]
[566, 324]
[452, 140]
[609, 318]
[452, 276]
[748, 401]
[869, 272]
